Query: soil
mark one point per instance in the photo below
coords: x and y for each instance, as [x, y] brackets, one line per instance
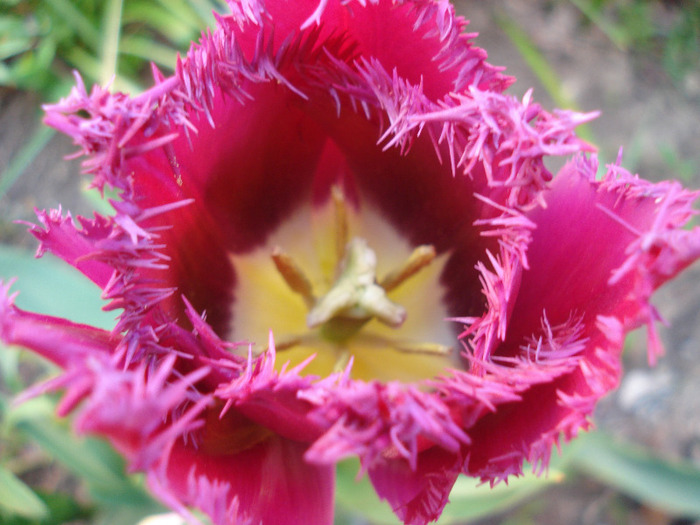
[642, 110]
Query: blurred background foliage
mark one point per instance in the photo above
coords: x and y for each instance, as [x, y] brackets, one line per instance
[635, 25]
[50, 476]
[42, 41]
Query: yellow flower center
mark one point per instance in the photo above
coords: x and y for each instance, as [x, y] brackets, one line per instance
[338, 283]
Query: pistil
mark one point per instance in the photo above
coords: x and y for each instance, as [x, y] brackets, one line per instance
[356, 296]
[338, 283]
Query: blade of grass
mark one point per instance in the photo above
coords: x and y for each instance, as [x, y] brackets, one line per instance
[89, 459]
[24, 157]
[91, 69]
[184, 12]
[10, 378]
[51, 287]
[670, 486]
[205, 7]
[160, 20]
[18, 499]
[615, 34]
[149, 50]
[77, 21]
[111, 29]
[469, 499]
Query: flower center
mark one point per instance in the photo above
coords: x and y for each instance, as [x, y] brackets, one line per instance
[328, 300]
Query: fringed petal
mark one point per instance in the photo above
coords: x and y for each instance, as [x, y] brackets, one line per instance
[77, 247]
[417, 495]
[62, 342]
[369, 419]
[270, 480]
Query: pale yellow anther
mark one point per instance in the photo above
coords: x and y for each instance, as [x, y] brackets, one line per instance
[293, 276]
[421, 257]
[423, 348]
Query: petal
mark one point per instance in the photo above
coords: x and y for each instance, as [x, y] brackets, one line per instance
[56, 339]
[418, 495]
[271, 481]
[426, 44]
[564, 337]
[628, 237]
[251, 133]
[76, 247]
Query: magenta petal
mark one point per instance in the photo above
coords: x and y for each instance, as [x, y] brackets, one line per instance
[271, 480]
[58, 340]
[417, 495]
[272, 399]
[564, 337]
[632, 238]
[77, 248]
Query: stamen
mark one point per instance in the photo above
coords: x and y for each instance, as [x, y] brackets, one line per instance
[423, 348]
[341, 223]
[342, 361]
[293, 276]
[421, 257]
[355, 295]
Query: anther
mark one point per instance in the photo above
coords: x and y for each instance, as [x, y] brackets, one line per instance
[423, 348]
[293, 276]
[421, 257]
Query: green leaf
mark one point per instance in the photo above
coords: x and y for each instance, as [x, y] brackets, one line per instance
[52, 287]
[205, 9]
[62, 508]
[127, 514]
[146, 49]
[9, 372]
[470, 500]
[614, 32]
[78, 455]
[77, 21]
[18, 499]
[92, 460]
[359, 496]
[156, 18]
[183, 11]
[111, 31]
[671, 486]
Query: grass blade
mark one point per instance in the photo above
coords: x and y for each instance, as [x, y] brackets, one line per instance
[76, 20]
[670, 486]
[24, 157]
[111, 28]
[18, 499]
